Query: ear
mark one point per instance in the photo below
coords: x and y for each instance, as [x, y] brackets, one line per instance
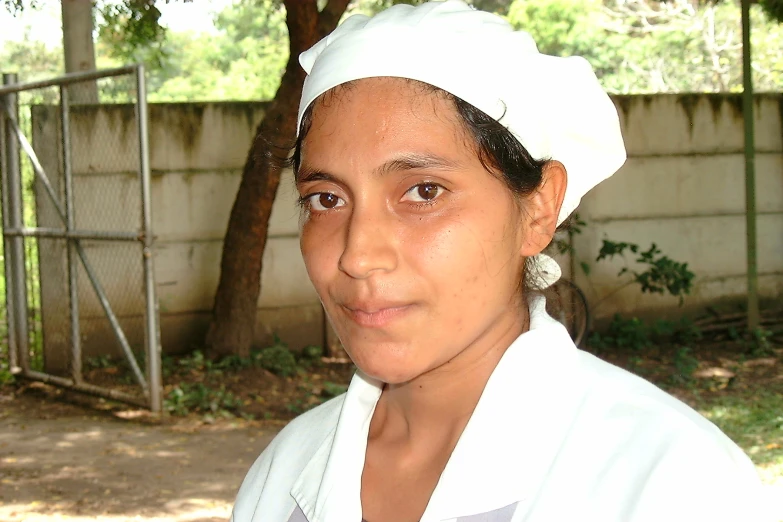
[542, 208]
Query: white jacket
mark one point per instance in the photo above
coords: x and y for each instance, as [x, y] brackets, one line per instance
[558, 435]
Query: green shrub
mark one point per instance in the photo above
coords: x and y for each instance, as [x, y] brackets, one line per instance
[188, 398]
[662, 274]
[310, 356]
[627, 333]
[278, 359]
[634, 334]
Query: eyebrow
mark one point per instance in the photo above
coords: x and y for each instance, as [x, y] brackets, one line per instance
[403, 162]
[414, 161]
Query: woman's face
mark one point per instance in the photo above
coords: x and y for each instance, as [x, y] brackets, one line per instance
[413, 247]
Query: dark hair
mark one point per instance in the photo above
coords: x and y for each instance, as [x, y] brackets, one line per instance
[498, 150]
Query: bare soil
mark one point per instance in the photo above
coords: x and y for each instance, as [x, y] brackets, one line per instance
[62, 459]
[68, 456]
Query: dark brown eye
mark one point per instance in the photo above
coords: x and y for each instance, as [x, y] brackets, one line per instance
[327, 200]
[322, 201]
[427, 191]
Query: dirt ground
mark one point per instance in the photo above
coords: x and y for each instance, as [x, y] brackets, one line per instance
[67, 456]
[61, 461]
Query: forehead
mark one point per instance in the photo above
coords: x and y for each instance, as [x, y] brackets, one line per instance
[385, 99]
[404, 88]
[381, 111]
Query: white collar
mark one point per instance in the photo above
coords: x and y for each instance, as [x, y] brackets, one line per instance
[501, 456]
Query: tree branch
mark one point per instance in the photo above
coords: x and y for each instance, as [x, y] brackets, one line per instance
[301, 19]
[330, 15]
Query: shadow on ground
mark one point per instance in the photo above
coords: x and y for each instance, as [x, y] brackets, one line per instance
[68, 465]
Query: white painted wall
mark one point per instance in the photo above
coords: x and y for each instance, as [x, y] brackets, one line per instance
[682, 188]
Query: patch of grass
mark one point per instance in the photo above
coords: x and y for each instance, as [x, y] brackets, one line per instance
[755, 422]
[684, 364]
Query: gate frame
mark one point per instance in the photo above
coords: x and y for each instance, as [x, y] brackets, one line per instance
[14, 232]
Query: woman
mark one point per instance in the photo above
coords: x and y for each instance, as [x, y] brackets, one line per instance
[438, 151]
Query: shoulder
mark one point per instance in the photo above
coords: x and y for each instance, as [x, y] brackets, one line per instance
[664, 456]
[606, 397]
[621, 395]
[266, 487]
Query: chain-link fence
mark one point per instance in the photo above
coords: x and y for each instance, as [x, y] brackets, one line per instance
[77, 233]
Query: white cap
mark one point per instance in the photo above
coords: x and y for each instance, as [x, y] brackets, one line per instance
[554, 106]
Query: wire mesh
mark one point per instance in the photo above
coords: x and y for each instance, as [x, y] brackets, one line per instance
[27, 100]
[118, 268]
[104, 167]
[34, 323]
[40, 117]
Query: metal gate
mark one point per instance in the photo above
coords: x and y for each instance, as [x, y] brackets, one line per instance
[77, 233]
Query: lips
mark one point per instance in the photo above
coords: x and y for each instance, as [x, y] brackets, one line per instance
[376, 314]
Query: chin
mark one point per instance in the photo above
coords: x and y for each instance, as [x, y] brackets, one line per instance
[386, 364]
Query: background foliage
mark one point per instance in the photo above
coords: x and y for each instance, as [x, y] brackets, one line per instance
[636, 46]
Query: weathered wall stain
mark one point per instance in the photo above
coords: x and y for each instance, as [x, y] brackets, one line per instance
[181, 121]
[122, 117]
[187, 120]
[253, 112]
[688, 103]
[625, 103]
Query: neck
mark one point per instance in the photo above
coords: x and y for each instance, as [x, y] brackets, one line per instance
[434, 408]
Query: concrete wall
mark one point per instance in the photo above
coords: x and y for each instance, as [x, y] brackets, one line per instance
[682, 188]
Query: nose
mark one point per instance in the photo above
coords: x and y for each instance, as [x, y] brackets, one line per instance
[369, 244]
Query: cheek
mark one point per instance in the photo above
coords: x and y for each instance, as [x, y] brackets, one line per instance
[320, 253]
[452, 258]
[469, 258]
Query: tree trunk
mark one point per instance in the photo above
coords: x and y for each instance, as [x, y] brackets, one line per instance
[78, 47]
[236, 301]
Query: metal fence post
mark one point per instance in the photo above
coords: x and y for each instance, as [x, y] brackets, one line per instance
[152, 328]
[15, 255]
[754, 315]
[13, 361]
[70, 226]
